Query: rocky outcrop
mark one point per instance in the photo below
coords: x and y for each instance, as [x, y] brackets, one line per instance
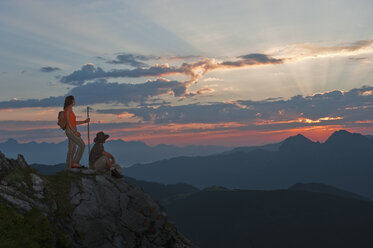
[88, 209]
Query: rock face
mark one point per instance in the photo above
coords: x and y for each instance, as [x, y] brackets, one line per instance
[88, 209]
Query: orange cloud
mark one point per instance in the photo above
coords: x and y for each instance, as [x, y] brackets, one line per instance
[29, 113]
[365, 122]
[125, 115]
[299, 120]
[367, 93]
[17, 128]
[304, 50]
[175, 127]
[360, 107]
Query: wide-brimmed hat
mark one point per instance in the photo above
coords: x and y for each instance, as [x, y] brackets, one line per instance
[101, 137]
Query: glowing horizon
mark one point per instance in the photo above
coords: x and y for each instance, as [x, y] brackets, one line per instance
[151, 73]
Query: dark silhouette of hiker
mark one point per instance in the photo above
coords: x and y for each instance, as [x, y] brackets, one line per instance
[101, 160]
[73, 156]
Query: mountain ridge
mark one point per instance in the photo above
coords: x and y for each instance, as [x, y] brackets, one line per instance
[341, 164]
[326, 189]
[126, 152]
[164, 193]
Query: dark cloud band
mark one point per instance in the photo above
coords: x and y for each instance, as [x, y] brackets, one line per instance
[100, 91]
[193, 70]
[90, 72]
[134, 60]
[49, 69]
[336, 106]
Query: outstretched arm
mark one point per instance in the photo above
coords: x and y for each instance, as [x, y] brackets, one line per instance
[83, 122]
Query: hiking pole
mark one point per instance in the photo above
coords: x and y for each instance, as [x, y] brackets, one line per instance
[89, 142]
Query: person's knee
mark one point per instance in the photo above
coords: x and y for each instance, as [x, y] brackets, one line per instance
[82, 145]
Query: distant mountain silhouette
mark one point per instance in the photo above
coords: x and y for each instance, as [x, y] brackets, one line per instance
[327, 189]
[343, 161]
[230, 170]
[349, 142]
[268, 147]
[126, 153]
[267, 219]
[43, 153]
[164, 194]
[297, 143]
[341, 136]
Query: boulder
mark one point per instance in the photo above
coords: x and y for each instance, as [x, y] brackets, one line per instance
[88, 209]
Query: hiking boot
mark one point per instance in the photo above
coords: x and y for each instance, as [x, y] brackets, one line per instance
[116, 174]
[76, 165]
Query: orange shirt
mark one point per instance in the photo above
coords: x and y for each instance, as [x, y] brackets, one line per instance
[72, 120]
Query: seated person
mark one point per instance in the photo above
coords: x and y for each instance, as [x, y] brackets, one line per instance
[101, 160]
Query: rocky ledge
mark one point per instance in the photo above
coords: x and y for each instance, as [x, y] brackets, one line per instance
[79, 208]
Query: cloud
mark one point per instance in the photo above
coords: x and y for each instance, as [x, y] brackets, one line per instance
[136, 60]
[235, 120]
[90, 72]
[195, 70]
[252, 59]
[101, 91]
[194, 113]
[26, 125]
[49, 69]
[305, 50]
[132, 59]
[322, 108]
[32, 103]
[174, 57]
[359, 58]
[354, 106]
[211, 79]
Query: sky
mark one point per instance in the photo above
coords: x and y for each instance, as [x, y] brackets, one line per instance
[232, 73]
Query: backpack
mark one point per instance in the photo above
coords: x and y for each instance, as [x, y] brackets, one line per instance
[61, 120]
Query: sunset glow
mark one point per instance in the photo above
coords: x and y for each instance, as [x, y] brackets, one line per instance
[150, 72]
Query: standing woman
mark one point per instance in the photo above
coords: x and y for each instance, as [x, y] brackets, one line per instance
[73, 156]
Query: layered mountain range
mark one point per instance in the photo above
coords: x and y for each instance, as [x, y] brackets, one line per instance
[126, 153]
[304, 215]
[344, 160]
